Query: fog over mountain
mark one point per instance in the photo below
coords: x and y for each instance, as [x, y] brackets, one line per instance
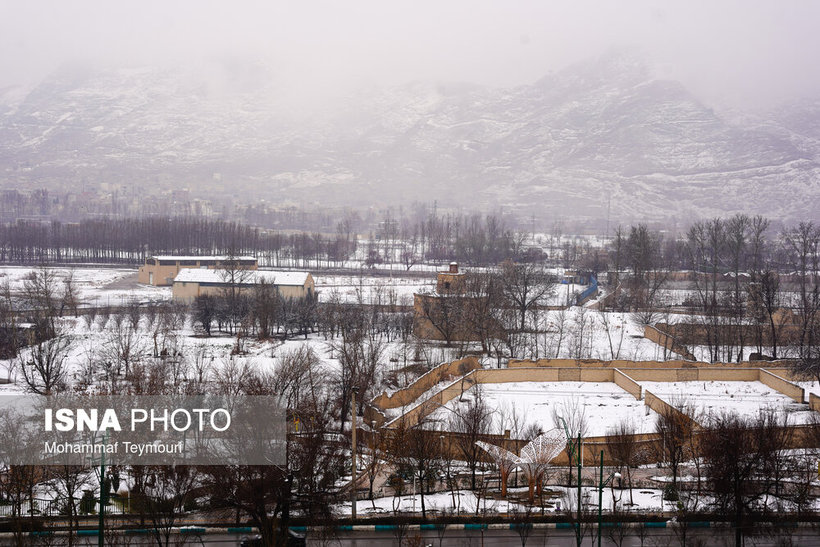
[602, 133]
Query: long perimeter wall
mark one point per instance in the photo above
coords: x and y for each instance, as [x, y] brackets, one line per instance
[627, 378]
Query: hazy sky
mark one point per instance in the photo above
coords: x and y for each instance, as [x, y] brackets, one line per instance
[751, 51]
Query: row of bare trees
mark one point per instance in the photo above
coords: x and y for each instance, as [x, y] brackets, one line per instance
[489, 306]
[472, 239]
[157, 497]
[751, 290]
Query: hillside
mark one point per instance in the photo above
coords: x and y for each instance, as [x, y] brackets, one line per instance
[603, 131]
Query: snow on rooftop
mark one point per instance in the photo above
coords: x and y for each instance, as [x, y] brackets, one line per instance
[179, 257]
[199, 275]
[604, 404]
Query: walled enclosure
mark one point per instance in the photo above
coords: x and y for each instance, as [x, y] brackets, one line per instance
[555, 370]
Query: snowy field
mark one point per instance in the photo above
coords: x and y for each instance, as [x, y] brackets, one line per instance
[703, 353]
[118, 286]
[384, 290]
[717, 397]
[400, 290]
[95, 341]
[583, 333]
[95, 286]
[603, 405]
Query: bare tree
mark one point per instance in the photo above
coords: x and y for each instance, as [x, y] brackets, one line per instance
[159, 496]
[620, 530]
[445, 313]
[802, 243]
[737, 233]
[740, 457]
[359, 350]
[623, 449]
[296, 377]
[521, 520]
[471, 422]
[581, 347]
[66, 483]
[40, 296]
[674, 427]
[9, 338]
[43, 366]
[525, 286]
[122, 347]
[570, 416]
[615, 339]
[70, 297]
[483, 301]
[134, 313]
[415, 449]
[706, 243]
[766, 299]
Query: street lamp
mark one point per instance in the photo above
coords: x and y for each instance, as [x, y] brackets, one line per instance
[601, 484]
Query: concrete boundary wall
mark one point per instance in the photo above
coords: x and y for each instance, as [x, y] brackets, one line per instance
[785, 387]
[507, 375]
[667, 341]
[423, 383]
[730, 375]
[625, 379]
[627, 364]
[626, 383]
[693, 374]
[497, 376]
[767, 377]
[662, 407]
[416, 413]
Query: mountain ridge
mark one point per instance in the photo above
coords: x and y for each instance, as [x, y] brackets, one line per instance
[601, 135]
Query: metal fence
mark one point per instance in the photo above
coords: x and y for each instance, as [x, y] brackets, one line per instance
[588, 292]
[39, 507]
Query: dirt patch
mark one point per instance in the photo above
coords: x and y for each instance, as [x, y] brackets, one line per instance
[124, 283]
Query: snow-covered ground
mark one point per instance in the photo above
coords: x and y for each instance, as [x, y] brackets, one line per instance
[602, 404]
[717, 397]
[466, 502]
[582, 333]
[95, 286]
[385, 290]
[808, 388]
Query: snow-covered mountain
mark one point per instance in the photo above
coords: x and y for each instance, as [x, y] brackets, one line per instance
[600, 132]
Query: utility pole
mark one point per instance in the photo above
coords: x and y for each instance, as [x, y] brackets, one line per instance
[353, 451]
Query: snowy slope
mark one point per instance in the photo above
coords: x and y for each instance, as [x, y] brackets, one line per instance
[601, 130]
